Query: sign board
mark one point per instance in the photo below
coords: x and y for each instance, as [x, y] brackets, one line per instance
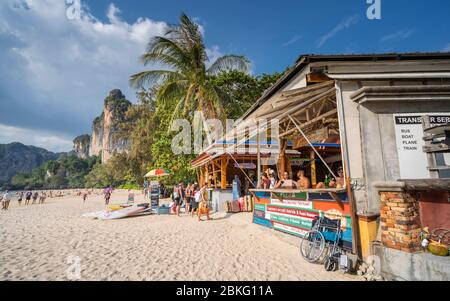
[245, 165]
[409, 138]
[299, 161]
[154, 195]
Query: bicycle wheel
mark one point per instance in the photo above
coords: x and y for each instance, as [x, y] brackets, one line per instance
[312, 246]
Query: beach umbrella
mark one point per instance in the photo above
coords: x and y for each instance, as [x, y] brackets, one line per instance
[157, 173]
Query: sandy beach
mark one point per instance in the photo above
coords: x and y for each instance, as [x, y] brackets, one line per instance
[42, 242]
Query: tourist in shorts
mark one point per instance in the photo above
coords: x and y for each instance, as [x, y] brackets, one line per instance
[20, 198]
[107, 196]
[28, 197]
[35, 197]
[195, 200]
[189, 194]
[85, 195]
[177, 197]
[42, 198]
[6, 199]
[130, 197]
[203, 206]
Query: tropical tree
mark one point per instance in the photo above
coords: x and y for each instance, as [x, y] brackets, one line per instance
[184, 77]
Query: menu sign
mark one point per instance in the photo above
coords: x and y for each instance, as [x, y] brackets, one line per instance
[154, 195]
[409, 138]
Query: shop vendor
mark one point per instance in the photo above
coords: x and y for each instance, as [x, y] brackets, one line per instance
[303, 182]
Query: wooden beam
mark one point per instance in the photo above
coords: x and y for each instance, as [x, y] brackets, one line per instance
[306, 124]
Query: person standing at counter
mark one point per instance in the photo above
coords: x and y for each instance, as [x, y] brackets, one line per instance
[303, 182]
[265, 182]
[286, 183]
[339, 182]
[273, 180]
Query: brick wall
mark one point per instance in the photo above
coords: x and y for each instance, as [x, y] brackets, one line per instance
[400, 221]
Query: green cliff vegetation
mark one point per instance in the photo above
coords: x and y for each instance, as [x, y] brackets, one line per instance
[67, 172]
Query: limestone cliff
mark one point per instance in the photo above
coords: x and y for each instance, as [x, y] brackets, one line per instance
[81, 146]
[16, 157]
[104, 141]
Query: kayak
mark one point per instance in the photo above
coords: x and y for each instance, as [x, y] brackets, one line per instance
[118, 214]
[117, 207]
[93, 214]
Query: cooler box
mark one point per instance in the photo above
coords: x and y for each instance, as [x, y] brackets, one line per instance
[163, 210]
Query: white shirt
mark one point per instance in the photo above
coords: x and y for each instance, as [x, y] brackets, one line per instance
[7, 197]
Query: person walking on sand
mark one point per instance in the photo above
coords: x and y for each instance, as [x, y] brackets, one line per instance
[203, 206]
[35, 197]
[107, 196]
[42, 198]
[20, 198]
[189, 192]
[195, 199]
[6, 199]
[28, 197]
[178, 197]
[130, 197]
[85, 195]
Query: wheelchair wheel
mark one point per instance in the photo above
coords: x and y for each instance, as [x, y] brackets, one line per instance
[312, 246]
[330, 264]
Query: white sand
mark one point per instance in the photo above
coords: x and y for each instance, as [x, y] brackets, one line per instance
[36, 243]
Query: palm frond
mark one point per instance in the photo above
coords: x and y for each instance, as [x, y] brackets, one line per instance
[229, 63]
[151, 77]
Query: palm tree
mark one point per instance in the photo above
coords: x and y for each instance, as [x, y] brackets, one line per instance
[184, 76]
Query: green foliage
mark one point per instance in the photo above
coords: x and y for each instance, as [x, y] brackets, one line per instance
[242, 90]
[66, 172]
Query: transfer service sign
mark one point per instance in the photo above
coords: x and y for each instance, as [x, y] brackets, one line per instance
[409, 137]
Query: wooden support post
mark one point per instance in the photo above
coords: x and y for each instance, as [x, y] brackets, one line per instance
[258, 164]
[282, 161]
[223, 173]
[214, 175]
[289, 168]
[202, 177]
[312, 156]
[207, 176]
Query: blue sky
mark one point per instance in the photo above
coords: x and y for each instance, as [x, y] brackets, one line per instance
[273, 33]
[55, 72]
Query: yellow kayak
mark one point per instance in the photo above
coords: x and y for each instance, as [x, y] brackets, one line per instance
[117, 207]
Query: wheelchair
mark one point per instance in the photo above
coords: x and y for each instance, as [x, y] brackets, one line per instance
[321, 244]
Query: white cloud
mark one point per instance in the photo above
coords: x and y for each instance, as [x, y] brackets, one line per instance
[55, 72]
[399, 35]
[344, 24]
[51, 141]
[213, 54]
[293, 40]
